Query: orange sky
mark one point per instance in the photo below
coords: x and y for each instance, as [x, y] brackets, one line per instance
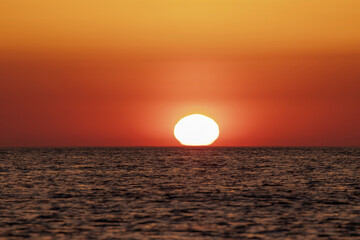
[114, 73]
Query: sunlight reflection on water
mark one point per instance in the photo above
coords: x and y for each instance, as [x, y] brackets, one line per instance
[180, 193]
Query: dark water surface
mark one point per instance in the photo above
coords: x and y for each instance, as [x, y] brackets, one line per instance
[180, 193]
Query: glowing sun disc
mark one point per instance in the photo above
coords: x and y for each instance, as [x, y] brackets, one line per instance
[196, 130]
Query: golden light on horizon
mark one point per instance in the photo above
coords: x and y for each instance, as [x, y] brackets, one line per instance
[196, 130]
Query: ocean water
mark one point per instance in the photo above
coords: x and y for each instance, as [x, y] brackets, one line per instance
[180, 193]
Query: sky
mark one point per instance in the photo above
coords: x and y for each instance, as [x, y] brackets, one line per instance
[122, 73]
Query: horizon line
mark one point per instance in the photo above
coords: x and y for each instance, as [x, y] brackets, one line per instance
[177, 146]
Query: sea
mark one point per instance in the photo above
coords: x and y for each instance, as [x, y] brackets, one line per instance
[180, 193]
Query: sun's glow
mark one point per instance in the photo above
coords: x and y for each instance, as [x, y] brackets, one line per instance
[196, 130]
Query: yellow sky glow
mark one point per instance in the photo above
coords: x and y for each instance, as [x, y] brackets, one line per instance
[191, 25]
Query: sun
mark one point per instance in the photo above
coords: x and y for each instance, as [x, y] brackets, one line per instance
[196, 130]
